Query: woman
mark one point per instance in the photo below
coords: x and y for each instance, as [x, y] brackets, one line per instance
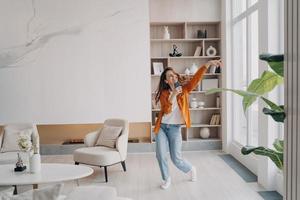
[173, 96]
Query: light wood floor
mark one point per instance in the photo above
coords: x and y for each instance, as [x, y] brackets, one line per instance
[216, 180]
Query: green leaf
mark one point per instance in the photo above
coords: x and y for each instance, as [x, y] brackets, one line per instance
[275, 62]
[272, 105]
[276, 157]
[277, 67]
[278, 145]
[239, 92]
[271, 57]
[276, 115]
[260, 86]
[266, 83]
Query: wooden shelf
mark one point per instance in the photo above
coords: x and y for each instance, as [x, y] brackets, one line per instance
[186, 37]
[194, 57]
[202, 125]
[203, 140]
[186, 57]
[193, 109]
[206, 74]
[193, 92]
[199, 126]
[186, 40]
[196, 109]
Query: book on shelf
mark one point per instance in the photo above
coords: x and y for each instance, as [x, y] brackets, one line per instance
[198, 51]
[215, 119]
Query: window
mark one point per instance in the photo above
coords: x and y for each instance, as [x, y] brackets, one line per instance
[245, 67]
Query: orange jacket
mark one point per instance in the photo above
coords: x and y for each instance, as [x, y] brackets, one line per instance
[182, 100]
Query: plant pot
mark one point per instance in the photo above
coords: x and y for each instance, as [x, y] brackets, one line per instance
[279, 182]
[35, 163]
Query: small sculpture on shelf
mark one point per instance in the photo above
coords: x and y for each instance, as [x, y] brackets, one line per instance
[175, 52]
[166, 33]
[193, 68]
[19, 165]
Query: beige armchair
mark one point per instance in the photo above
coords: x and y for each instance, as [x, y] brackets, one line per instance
[104, 156]
[9, 149]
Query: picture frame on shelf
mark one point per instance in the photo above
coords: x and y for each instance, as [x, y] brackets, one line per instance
[158, 68]
[209, 84]
[198, 51]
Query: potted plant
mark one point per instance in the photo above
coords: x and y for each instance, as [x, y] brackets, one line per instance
[26, 144]
[256, 90]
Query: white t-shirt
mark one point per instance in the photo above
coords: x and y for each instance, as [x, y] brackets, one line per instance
[174, 117]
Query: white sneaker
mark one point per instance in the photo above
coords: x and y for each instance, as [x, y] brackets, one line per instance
[193, 174]
[166, 184]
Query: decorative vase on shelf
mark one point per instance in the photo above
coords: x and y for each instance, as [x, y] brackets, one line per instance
[187, 71]
[166, 33]
[211, 51]
[193, 68]
[35, 163]
[204, 133]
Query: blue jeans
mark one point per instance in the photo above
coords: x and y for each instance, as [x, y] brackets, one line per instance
[169, 137]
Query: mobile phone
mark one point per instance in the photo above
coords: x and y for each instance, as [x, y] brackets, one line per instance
[177, 84]
[178, 87]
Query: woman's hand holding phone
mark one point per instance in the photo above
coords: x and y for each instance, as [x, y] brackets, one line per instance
[178, 87]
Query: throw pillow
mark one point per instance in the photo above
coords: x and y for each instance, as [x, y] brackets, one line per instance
[10, 139]
[108, 136]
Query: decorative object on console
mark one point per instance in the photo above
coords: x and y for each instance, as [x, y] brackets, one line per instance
[198, 51]
[158, 68]
[193, 68]
[211, 51]
[26, 144]
[19, 165]
[204, 133]
[35, 163]
[175, 52]
[166, 33]
[202, 33]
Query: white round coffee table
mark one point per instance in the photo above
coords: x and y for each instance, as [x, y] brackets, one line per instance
[50, 172]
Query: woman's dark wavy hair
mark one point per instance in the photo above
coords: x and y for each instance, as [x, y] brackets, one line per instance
[163, 85]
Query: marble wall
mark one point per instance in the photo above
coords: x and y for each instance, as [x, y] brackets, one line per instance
[185, 10]
[74, 61]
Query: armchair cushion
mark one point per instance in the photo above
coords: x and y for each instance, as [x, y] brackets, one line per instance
[108, 136]
[98, 156]
[10, 139]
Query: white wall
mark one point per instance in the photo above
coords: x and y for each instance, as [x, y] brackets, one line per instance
[185, 10]
[74, 61]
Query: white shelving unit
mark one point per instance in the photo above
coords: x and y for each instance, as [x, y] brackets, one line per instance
[184, 36]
